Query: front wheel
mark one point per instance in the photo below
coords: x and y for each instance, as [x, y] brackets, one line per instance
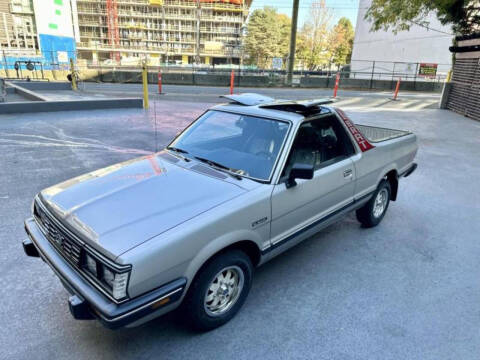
[219, 290]
[374, 210]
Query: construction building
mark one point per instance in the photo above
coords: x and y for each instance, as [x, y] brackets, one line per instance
[38, 32]
[208, 32]
[17, 26]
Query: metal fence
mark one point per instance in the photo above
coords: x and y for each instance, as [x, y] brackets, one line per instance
[55, 66]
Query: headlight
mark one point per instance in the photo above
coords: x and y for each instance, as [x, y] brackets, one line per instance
[114, 281]
[117, 282]
[119, 289]
[108, 277]
[91, 265]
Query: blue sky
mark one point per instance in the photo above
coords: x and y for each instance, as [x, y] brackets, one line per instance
[338, 8]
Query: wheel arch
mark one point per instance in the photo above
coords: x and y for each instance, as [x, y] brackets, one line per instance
[392, 178]
[222, 245]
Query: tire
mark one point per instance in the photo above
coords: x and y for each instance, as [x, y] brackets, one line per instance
[205, 309]
[371, 215]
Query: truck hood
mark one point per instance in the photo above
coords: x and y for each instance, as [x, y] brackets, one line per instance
[117, 208]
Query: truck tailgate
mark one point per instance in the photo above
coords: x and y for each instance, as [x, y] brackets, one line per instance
[377, 134]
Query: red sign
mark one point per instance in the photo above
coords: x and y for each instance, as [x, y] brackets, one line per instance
[362, 142]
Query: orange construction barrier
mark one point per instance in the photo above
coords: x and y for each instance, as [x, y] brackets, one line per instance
[232, 81]
[397, 89]
[337, 82]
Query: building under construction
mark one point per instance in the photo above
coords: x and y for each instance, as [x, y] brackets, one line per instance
[17, 27]
[163, 31]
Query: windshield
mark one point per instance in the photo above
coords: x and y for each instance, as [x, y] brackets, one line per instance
[245, 145]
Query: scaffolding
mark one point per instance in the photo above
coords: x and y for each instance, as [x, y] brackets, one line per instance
[112, 25]
[185, 31]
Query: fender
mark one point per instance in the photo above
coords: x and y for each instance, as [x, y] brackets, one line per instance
[385, 171]
[217, 245]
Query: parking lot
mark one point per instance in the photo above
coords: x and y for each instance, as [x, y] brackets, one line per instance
[407, 289]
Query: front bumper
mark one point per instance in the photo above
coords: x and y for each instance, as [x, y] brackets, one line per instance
[86, 302]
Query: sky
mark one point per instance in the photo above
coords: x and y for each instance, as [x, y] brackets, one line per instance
[338, 8]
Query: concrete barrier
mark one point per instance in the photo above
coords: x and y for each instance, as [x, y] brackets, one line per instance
[43, 85]
[68, 105]
[26, 93]
[315, 82]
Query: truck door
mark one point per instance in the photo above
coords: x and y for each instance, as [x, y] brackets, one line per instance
[324, 143]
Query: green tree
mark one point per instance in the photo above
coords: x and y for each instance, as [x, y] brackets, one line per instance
[398, 15]
[268, 36]
[313, 41]
[341, 42]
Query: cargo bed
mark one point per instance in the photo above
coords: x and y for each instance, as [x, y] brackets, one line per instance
[377, 134]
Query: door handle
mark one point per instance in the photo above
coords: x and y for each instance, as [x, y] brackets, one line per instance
[348, 173]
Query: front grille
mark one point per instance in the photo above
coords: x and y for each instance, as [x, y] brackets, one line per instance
[58, 238]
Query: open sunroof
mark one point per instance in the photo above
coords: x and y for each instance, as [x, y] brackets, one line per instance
[249, 99]
[266, 102]
[296, 106]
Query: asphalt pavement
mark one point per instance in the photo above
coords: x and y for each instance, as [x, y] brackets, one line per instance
[211, 94]
[407, 289]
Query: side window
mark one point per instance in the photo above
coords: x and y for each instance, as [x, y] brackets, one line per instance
[321, 142]
[334, 143]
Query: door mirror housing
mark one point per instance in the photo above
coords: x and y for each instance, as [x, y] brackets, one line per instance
[299, 171]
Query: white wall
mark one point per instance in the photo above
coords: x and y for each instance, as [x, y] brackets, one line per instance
[52, 18]
[419, 45]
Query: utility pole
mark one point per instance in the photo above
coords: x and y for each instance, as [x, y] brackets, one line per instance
[293, 42]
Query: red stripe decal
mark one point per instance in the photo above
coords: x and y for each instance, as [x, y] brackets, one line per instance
[362, 142]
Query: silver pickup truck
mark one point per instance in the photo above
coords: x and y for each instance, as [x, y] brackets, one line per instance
[187, 226]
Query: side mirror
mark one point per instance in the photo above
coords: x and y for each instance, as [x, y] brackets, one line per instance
[299, 171]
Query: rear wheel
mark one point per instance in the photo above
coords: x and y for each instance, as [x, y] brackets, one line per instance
[372, 213]
[219, 290]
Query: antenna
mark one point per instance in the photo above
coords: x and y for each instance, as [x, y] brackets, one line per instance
[155, 122]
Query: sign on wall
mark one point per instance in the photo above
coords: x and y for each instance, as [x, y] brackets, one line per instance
[277, 63]
[427, 70]
[62, 56]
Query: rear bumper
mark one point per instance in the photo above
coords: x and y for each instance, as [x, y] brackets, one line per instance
[88, 303]
[409, 171]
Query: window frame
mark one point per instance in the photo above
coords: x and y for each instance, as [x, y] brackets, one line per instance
[334, 117]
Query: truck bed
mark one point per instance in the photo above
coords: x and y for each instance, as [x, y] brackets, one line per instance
[377, 134]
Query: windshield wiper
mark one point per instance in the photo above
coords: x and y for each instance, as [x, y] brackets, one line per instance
[233, 172]
[179, 151]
